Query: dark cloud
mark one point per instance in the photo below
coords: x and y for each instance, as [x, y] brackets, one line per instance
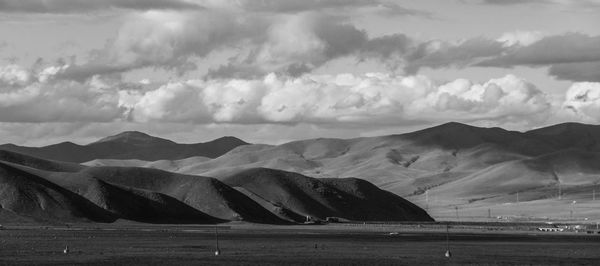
[81, 73]
[572, 56]
[558, 49]
[72, 6]
[386, 46]
[588, 71]
[442, 54]
[295, 45]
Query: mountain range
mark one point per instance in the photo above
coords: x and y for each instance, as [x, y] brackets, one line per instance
[128, 145]
[539, 172]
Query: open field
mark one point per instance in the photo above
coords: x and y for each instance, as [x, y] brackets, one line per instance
[250, 244]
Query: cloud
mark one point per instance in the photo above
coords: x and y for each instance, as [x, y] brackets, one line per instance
[12, 75]
[59, 102]
[572, 56]
[288, 43]
[558, 49]
[375, 100]
[295, 44]
[29, 96]
[169, 40]
[563, 3]
[293, 6]
[583, 99]
[440, 54]
[73, 6]
[523, 38]
[298, 44]
[342, 99]
[504, 99]
[587, 71]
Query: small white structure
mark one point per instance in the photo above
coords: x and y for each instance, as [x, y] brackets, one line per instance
[551, 228]
[66, 250]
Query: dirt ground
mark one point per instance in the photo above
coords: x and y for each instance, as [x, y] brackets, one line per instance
[295, 245]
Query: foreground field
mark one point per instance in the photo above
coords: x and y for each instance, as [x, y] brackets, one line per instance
[243, 244]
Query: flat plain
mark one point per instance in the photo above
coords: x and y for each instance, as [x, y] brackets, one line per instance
[252, 244]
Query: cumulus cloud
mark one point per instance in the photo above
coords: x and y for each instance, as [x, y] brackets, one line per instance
[289, 43]
[583, 99]
[29, 96]
[508, 98]
[345, 98]
[12, 75]
[297, 37]
[375, 99]
[64, 101]
[72, 6]
[295, 44]
[169, 40]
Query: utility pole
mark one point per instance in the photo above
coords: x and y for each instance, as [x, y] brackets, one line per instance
[427, 200]
[559, 191]
[456, 208]
[448, 254]
[489, 213]
[594, 194]
[517, 196]
[217, 249]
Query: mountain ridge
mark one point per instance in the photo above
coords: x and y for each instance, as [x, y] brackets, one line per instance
[129, 145]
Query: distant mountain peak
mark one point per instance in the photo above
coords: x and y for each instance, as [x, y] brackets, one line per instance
[133, 137]
[231, 139]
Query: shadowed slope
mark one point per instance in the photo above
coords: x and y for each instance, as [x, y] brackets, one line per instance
[202, 193]
[143, 206]
[346, 198]
[457, 136]
[569, 136]
[32, 196]
[30, 161]
[126, 202]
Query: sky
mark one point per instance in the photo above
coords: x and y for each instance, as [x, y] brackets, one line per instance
[272, 71]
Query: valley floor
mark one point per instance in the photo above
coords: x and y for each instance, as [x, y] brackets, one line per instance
[250, 244]
[569, 209]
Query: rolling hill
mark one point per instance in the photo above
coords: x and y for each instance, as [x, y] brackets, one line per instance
[347, 198]
[49, 191]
